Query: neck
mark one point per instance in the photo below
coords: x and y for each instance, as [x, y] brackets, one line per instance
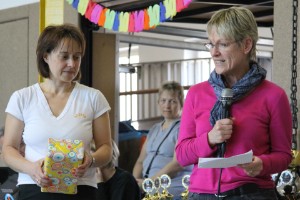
[56, 88]
[167, 123]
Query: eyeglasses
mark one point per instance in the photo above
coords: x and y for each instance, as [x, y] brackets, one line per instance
[221, 45]
[168, 101]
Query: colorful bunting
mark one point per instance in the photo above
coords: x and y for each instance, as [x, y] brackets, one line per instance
[134, 21]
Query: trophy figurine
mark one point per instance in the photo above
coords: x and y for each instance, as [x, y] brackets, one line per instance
[185, 183]
[148, 186]
[165, 182]
[156, 195]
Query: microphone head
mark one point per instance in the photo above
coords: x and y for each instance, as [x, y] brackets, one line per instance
[226, 96]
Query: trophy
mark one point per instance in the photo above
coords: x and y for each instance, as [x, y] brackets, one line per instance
[185, 183]
[165, 182]
[156, 195]
[148, 186]
[8, 197]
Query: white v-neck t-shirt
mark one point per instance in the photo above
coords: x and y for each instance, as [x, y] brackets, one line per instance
[75, 122]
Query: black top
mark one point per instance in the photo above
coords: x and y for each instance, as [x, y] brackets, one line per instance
[8, 182]
[121, 186]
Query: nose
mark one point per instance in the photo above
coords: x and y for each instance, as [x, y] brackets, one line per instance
[215, 51]
[168, 104]
[71, 62]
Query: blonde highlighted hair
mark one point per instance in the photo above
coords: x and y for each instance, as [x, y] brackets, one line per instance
[235, 23]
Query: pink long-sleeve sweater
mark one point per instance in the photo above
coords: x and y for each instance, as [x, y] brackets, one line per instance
[262, 123]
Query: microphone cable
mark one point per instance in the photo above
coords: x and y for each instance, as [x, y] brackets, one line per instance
[219, 183]
[222, 152]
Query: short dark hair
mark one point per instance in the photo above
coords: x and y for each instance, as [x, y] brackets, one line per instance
[51, 38]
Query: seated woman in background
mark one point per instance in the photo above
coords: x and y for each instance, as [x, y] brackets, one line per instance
[157, 156]
[116, 183]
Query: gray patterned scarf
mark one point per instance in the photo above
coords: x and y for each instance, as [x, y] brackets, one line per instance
[252, 78]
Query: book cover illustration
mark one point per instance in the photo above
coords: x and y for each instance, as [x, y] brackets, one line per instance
[64, 156]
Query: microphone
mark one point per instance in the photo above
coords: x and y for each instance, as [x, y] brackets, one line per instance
[226, 100]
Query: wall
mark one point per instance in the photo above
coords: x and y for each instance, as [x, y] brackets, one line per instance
[281, 72]
[283, 43]
[19, 30]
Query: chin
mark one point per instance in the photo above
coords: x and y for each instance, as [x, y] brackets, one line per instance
[219, 70]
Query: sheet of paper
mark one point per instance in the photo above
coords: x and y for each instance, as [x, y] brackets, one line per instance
[225, 162]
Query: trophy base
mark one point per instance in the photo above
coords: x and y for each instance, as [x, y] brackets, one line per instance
[165, 195]
[184, 195]
[296, 158]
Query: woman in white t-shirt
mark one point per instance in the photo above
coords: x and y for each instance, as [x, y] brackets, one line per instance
[59, 108]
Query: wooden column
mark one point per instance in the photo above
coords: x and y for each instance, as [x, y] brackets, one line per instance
[106, 75]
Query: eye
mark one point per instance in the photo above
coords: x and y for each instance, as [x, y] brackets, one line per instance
[223, 45]
[209, 45]
[173, 101]
[77, 57]
[64, 56]
[162, 101]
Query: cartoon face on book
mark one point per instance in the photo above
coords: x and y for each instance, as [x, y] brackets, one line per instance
[64, 156]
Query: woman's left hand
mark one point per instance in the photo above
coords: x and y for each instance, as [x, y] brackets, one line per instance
[87, 161]
[254, 168]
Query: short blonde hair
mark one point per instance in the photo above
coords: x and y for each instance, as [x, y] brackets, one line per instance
[173, 86]
[235, 23]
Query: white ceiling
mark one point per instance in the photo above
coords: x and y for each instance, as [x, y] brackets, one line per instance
[4, 4]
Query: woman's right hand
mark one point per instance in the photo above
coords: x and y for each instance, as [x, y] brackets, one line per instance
[37, 174]
[221, 131]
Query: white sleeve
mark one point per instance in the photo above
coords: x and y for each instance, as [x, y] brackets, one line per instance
[100, 104]
[15, 106]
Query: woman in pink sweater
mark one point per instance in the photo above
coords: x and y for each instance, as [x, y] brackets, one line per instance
[260, 117]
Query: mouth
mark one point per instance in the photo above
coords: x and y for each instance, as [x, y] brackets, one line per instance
[219, 61]
[69, 72]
